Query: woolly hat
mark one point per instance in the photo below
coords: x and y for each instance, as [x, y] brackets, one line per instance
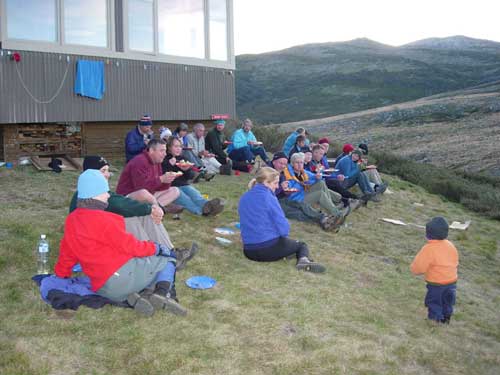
[347, 148]
[437, 229]
[165, 133]
[364, 148]
[94, 162]
[220, 122]
[323, 140]
[91, 183]
[279, 155]
[145, 121]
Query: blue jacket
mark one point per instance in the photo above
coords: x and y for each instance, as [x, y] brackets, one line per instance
[347, 167]
[240, 139]
[261, 218]
[290, 142]
[134, 144]
[299, 196]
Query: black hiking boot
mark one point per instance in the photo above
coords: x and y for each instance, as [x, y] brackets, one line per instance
[304, 264]
[183, 255]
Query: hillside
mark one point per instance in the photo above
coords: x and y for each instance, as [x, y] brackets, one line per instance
[365, 315]
[320, 80]
[459, 130]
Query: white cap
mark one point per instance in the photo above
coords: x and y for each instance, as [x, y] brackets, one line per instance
[165, 133]
[43, 236]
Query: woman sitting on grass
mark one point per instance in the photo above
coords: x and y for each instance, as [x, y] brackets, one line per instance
[264, 228]
[189, 198]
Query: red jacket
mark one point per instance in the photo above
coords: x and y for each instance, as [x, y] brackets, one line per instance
[141, 173]
[98, 241]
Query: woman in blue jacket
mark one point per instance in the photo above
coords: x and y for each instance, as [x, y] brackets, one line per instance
[264, 228]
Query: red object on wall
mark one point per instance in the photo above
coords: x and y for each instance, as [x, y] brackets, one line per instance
[220, 117]
[16, 56]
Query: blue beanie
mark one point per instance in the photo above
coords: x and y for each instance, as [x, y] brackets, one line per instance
[220, 122]
[91, 183]
[437, 229]
[145, 121]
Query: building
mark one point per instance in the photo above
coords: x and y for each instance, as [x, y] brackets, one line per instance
[172, 59]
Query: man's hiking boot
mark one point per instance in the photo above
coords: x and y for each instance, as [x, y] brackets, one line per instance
[355, 203]
[172, 208]
[141, 304]
[327, 222]
[163, 299]
[184, 255]
[304, 264]
[209, 176]
[380, 189]
[213, 207]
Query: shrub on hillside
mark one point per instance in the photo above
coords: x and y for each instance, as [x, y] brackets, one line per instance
[479, 195]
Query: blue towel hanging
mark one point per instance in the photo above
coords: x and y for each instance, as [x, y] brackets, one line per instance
[89, 79]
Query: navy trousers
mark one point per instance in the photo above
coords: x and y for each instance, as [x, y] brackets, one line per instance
[440, 300]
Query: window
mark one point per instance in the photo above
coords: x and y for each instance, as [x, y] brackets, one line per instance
[181, 28]
[32, 20]
[86, 22]
[218, 29]
[140, 25]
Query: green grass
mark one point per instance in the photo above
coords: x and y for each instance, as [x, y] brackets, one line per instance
[364, 316]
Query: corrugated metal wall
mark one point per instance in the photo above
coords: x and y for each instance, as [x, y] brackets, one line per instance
[166, 91]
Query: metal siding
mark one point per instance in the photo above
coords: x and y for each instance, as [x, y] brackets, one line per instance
[167, 91]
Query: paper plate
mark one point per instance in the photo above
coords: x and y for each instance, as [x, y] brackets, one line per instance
[226, 231]
[200, 282]
[223, 241]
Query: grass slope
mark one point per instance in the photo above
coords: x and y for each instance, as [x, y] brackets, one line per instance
[364, 316]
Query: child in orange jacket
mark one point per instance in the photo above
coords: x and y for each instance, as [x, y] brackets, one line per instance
[438, 261]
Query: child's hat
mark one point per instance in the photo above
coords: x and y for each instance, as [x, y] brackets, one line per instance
[437, 229]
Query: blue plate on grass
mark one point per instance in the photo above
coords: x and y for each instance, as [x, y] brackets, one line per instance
[200, 282]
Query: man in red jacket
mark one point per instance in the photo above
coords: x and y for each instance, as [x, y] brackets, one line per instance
[143, 179]
[119, 266]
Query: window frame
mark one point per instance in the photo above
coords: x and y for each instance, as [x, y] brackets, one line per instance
[110, 52]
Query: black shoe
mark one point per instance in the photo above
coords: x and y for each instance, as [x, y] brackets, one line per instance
[141, 305]
[380, 189]
[310, 266]
[201, 174]
[213, 207]
[209, 176]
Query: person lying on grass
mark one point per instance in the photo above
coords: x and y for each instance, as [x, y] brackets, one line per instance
[143, 220]
[189, 198]
[438, 261]
[297, 210]
[264, 228]
[118, 265]
[311, 189]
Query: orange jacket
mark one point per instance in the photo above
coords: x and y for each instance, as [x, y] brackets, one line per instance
[438, 260]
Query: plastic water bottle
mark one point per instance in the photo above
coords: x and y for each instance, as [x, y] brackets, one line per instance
[43, 255]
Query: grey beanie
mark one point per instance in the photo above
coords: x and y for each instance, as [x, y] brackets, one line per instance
[437, 229]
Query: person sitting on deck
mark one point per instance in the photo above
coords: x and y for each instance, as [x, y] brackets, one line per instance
[118, 265]
[138, 138]
[143, 180]
[215, 142]
[264, 228]
[189, 197]
[196, 140]
[244, 146]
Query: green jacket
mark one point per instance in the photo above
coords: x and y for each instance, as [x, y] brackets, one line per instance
[214, 143]
[120, 205]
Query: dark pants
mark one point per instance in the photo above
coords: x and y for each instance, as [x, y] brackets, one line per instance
[337, 186]
[440, 300]
[283, 248]
[248, 153]
[300, 211]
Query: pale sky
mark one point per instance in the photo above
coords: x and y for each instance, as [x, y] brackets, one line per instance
[270, 25]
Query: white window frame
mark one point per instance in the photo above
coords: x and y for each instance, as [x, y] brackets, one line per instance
[59, 46]
[110, 52]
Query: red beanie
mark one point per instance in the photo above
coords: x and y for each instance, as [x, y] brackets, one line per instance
[347, 148]
[323, 140]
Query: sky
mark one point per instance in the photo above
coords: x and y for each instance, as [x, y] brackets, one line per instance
[270, 25]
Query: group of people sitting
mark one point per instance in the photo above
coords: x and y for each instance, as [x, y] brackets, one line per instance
[118, 237]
